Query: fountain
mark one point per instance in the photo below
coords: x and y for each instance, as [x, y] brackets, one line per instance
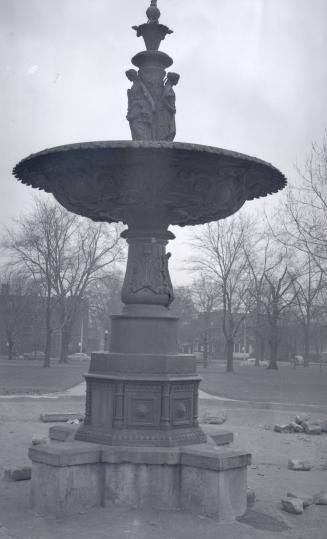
[141, 443]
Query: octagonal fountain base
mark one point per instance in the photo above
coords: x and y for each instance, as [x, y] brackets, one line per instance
[142, 392]
[140, 444]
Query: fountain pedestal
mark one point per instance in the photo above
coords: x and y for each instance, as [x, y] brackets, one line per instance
[143, 392]
[147, 449]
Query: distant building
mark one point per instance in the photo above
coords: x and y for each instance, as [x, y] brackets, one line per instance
[207, 331]
[22, 320]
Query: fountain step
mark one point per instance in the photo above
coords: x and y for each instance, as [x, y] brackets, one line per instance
[204, 479]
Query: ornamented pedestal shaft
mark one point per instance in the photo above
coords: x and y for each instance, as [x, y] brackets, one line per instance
[143, 392]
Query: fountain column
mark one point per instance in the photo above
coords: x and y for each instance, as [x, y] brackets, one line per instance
[142, 392]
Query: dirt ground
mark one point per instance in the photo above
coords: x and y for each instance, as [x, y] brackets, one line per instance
[268, 476]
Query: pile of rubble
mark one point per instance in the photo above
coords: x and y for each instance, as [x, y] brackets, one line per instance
[302, 424]
[296, 503]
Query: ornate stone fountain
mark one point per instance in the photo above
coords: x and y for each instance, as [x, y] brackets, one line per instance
[141, 422]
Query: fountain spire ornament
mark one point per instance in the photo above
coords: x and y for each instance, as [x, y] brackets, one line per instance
[151, 99]
[153, 12]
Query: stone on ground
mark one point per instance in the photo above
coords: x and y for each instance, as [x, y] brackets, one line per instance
[250, 497]
[299, 465]
[60, 418]
[306, 500]
[302, 418]
[292, 505]
[312, 429]
[301, 424]
[18, 474]
[39, 440]
[295, 427]
[214, 420]
[320, 498]
[282, 428]
[317, 422]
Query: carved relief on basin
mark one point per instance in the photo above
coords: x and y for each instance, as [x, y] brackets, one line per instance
[178, 183]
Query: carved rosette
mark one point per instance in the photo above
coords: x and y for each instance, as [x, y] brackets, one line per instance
[147, 279]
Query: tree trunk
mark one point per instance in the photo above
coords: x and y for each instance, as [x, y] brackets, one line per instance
[257, 348]
[205, 350]
[10, 349]
[64, 344]
[262, 348]
[306, 345]
[47, 350]
[229, 355]
[273, 352]
[48, 335]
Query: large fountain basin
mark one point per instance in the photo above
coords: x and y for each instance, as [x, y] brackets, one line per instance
[176, 183]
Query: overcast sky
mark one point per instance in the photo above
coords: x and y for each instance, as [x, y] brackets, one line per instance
[253, 79]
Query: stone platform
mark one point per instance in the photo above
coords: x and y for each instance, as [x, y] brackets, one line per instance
[72, 477]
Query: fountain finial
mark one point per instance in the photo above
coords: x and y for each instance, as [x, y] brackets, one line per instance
[153, 13]
[152, 31]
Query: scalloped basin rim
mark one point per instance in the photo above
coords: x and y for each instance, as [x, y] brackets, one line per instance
[165, 182]
[133, 144]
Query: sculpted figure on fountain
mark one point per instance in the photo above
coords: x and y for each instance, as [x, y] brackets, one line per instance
[141, 108]
[152, 100]
[166, 128]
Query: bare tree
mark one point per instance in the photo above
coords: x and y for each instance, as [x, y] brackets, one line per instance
[82, 253]
[222, 258]
[206, 295]
[304, 220]
[29, 245]
[308, 286]
[260, 263]
[303, 229]
[104, 298]
[184, 308]
[63, 254]
[278, 295]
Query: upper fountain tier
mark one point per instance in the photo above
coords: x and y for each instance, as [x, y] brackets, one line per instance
[150, 182]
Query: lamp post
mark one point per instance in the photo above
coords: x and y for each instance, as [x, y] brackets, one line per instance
[105, 340]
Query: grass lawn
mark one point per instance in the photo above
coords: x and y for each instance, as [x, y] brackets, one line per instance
[25, 376]
[302, 385]
[286, 385]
